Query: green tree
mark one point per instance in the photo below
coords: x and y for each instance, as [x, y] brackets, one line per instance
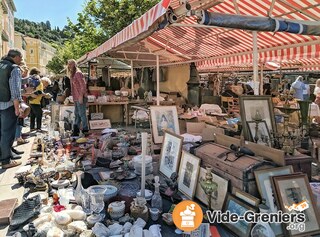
[48, 25]
[99, 21]
[114, 15]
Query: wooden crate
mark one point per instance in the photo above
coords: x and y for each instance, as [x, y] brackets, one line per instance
[239, 172]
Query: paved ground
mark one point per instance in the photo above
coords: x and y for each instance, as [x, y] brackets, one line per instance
[9, 187]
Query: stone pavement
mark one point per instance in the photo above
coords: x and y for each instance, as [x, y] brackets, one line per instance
[9, 186]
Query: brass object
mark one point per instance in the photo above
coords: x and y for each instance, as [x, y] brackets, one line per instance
[208, 185]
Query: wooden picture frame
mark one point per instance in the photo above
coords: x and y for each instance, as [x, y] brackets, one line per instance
[263, 180]
[170, 153]
[246, 197]
[64, 112]
[292, 189]
[188, 174]
[218, 197]
[235, 205]
[250, 106]
[163, 118]
[99, 124]
[264, 136]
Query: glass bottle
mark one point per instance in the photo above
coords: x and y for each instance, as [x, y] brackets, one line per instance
[156, 201]
[79, 191]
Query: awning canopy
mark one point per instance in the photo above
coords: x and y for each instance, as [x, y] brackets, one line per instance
[214, 48]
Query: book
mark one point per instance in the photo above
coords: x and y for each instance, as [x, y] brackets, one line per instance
[6, 210]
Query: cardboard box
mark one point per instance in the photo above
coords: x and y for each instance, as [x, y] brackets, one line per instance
[202, 129]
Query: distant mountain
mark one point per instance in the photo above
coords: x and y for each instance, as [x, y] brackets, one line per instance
[42, 31]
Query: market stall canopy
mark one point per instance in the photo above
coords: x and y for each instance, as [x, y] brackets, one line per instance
[171, 30]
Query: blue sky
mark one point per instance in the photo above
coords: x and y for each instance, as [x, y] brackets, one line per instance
[55, 11]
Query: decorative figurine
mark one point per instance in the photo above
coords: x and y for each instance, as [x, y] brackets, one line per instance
[171, 189]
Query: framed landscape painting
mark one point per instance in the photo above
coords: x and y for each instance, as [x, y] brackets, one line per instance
[235, 205]
[164, 118]
[170, 153]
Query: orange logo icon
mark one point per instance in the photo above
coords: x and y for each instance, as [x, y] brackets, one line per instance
[187, 216]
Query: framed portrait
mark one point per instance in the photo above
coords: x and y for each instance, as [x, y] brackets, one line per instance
[246, 197]
[66, 112]
[170, 153]
[266, 191]
[237, 206]
[100, 124]
[294, 189]
[252, 107]
[55, 113]
[163, 118]
[260, 135]
[218, 196]
[188, 174]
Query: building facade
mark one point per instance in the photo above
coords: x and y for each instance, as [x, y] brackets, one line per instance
[38, 54]
[7, 10]
[20, 43]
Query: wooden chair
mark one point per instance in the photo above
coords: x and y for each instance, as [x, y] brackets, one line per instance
[230, 104]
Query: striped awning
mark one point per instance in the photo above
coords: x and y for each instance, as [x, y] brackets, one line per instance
[214, 48]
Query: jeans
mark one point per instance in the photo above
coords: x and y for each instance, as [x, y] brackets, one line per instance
[8, 124]
[18, 131]
[80, 113]
[36, 113]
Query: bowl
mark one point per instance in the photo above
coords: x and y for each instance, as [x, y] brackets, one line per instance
[111, 191]
[118, 93]
[124, 93]
[147, 193]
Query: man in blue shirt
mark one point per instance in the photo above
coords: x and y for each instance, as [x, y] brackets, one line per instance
[10, 97]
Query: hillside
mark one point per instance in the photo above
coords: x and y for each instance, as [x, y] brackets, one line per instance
[42, 31]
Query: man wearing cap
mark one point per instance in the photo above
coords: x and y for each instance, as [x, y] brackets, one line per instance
[10, 97]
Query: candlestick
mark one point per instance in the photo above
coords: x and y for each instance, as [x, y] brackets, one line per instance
[144, 137]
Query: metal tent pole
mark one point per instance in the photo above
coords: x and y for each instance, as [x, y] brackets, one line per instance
[158, 81]
[255, 62]
[132, 86]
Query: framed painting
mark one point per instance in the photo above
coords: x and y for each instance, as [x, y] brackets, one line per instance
[188, 174]
[170, 153]
[293, 190]
[246, 197]
[266, 191]
[164, 118]
[218, 196]
[66, 112]
[260, 134]
[237, 206]
[256, 107]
